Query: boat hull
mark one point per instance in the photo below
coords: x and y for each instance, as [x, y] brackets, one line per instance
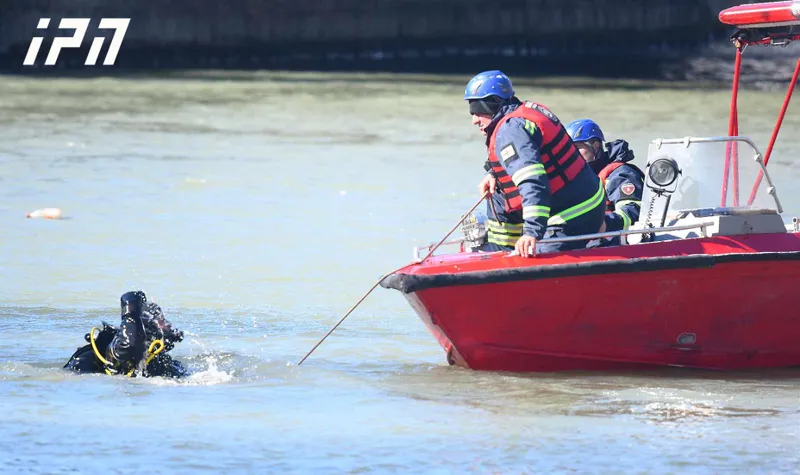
[717, 303]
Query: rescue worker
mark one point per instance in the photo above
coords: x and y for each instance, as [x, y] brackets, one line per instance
[622, 180]
[540, 187]
[139, 345]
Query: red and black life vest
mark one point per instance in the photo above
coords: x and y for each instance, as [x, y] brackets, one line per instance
[604, 173]
[561, 159]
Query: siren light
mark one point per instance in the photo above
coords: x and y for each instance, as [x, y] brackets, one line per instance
[760, 15]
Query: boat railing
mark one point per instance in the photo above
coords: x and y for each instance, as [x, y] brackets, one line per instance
[690, 140]
[703, 225]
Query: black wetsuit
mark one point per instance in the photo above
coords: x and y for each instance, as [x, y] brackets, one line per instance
[124, 348]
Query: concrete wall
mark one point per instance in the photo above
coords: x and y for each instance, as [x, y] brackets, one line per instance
[407, 35]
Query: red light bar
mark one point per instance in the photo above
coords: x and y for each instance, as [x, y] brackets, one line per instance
[759, 15]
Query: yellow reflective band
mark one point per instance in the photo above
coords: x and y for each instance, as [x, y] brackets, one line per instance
[526, 172]
[626, 220]
[507, 229]
[502, 240]
[579, 209]
[535, 211]
[530, 127]
[508, 234]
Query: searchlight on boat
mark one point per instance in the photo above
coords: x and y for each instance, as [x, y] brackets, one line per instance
[663, 172]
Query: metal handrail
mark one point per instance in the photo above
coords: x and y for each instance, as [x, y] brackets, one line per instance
[428, 247]
[725, 138]
[589, 237]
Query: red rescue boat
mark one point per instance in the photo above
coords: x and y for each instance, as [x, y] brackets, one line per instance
[706, 279]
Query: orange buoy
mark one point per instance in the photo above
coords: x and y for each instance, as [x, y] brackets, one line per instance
[46, 213]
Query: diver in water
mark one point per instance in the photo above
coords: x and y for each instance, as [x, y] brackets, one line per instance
[138, 347]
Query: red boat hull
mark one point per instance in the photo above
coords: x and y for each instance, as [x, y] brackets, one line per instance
[717, 303]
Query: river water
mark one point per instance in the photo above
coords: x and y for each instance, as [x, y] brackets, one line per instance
[256, 209]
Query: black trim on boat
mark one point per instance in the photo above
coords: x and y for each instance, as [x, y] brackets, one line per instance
[408, 283]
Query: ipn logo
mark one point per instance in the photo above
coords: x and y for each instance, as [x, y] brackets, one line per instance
[80, 25]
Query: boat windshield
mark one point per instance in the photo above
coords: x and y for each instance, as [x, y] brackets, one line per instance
[715, 175]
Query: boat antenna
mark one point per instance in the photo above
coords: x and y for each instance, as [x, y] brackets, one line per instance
[430, 253]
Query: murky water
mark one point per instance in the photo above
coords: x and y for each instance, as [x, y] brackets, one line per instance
[256, 210]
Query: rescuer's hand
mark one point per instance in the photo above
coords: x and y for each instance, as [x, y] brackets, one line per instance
[487, 184]
[526, 246]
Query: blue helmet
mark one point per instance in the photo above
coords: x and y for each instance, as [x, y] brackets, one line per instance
[489, 83]
[583, 130]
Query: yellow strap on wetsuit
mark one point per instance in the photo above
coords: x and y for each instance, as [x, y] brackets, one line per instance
[154, 353]
[109, 367]
[106, 363]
